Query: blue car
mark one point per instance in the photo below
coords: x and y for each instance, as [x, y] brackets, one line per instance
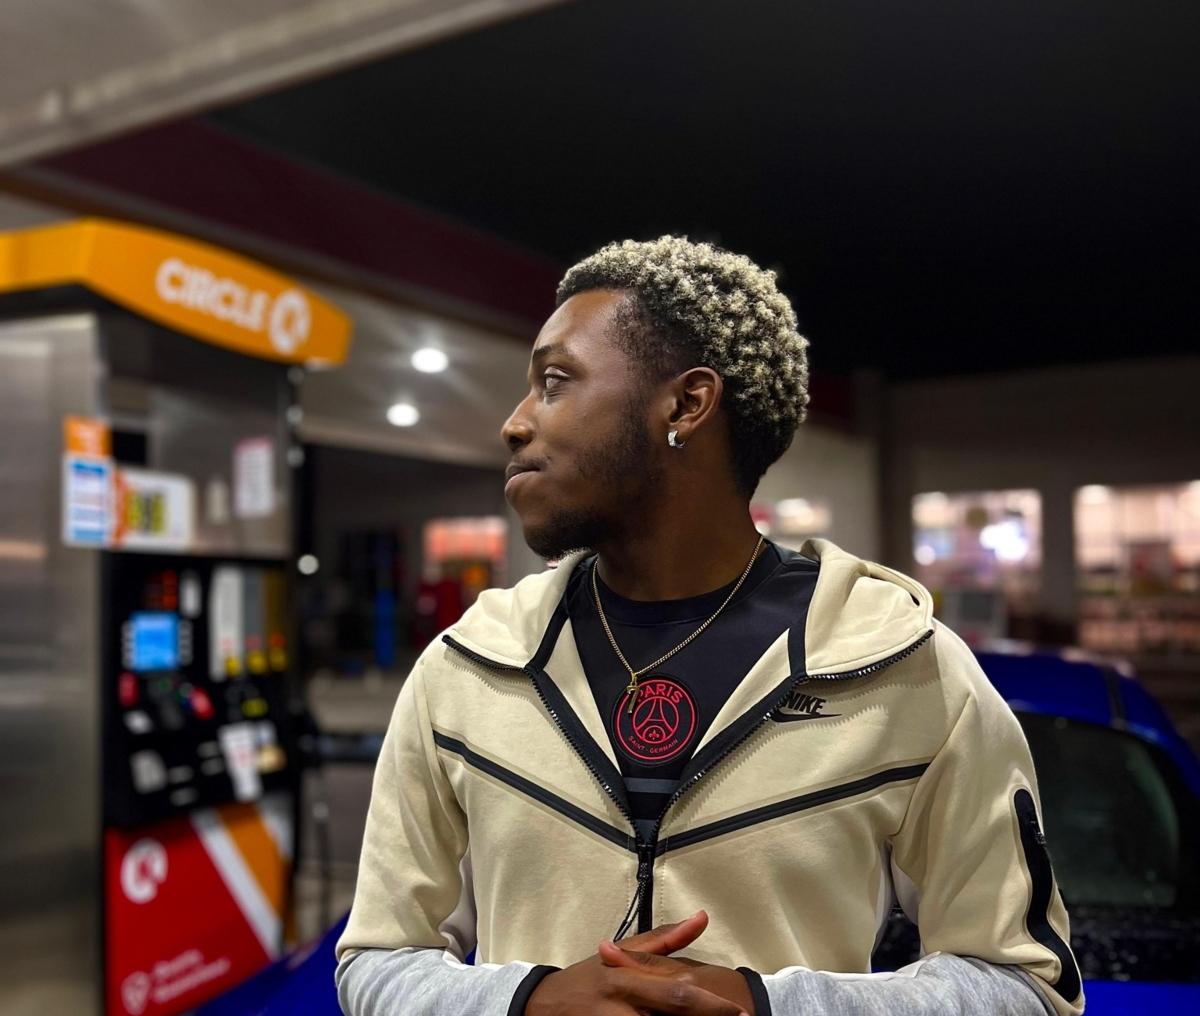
[1120, 794]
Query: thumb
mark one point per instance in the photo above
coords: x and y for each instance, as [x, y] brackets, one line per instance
[669, 938]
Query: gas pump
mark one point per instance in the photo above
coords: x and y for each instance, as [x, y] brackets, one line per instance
[199, 776]
[151, 382]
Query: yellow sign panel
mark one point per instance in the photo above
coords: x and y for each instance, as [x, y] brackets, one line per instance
[210, 294]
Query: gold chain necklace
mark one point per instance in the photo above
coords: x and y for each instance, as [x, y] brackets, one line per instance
[632, 688]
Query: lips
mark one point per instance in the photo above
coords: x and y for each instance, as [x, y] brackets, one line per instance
[515, 469]
[513, 477]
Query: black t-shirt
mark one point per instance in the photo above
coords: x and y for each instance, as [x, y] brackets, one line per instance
[678, 700]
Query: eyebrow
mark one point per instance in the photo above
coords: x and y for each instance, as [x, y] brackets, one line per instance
[549, 350]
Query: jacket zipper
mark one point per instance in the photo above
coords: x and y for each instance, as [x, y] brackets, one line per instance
[643, 900]
[645, 852]
[873, 668]
[646, 888]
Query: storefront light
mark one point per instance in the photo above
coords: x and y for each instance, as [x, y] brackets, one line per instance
[403, 414]
[934, 510]
[1094, 493]
[797, 516]
[1007, 540]
[430, 360]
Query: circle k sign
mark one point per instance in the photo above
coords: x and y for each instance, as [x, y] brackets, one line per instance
[287, 317]
[210, 294]
[143, 870]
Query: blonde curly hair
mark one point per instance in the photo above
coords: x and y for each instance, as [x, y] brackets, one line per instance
[695, 304]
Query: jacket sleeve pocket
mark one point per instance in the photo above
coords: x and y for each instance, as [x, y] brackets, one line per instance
[971, 844]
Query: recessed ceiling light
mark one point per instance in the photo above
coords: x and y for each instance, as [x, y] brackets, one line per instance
[429, 360]
[403, 414]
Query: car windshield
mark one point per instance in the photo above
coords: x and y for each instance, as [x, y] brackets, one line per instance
[1120, 825]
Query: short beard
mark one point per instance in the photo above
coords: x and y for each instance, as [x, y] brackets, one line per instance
[566, 532]
[627, 469]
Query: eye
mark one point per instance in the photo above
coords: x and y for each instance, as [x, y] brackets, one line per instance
[551, 381]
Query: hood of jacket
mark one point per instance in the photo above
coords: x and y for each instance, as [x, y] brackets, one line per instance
[861, 614]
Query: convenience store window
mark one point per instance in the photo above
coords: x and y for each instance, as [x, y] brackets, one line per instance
[469, 551]
[1137, 553]
[980, 554]
[791, 521]
[463, 556]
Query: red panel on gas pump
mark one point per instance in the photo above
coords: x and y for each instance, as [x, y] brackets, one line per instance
[194, 906]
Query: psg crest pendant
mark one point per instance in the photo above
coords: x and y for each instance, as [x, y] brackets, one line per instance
[661, 724]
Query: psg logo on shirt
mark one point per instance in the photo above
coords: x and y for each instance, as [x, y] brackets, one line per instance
[662, 723]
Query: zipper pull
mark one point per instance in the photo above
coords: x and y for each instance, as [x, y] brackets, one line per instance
[645, 863]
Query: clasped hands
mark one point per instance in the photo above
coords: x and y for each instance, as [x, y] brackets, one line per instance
[639, 977]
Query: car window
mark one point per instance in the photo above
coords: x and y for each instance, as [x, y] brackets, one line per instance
[1119, 824]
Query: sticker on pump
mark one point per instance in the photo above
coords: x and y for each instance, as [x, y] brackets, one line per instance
[275, 601]
[254, 620]
[225, 623]
[153, 510]
[254, 478]
[271, 758]
[189, 594]
[148, 771]
[241, 759]
[86, 501]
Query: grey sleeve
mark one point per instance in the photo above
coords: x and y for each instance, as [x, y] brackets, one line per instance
[933, 986]
[430, 982]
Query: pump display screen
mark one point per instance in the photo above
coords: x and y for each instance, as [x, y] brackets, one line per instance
[154, 641]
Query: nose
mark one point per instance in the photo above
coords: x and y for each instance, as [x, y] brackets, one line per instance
[517, 431]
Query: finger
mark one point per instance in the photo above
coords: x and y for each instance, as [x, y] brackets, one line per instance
[669, 938]
[613, 955]
[670, 996]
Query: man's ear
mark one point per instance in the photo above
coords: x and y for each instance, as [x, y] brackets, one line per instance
[697, 397]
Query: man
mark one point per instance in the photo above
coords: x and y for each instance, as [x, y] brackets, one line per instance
[740, 753]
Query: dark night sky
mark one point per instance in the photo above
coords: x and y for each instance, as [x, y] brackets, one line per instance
[944, 186]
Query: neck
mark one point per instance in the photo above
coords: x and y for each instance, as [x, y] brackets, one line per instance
[671, 555]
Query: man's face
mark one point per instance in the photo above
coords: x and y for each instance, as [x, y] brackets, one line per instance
[583, 461]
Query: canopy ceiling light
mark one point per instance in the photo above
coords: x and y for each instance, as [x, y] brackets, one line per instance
[403, 414]
[429, 360]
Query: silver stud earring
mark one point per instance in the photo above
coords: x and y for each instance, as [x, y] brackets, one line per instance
[673, 440]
